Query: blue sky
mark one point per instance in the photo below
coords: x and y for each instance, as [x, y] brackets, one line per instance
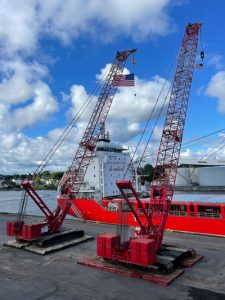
[52, 51]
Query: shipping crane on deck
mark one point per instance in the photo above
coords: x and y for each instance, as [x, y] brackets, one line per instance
[146, 247]
[72, 179]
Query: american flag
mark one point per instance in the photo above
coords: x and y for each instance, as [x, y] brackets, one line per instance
[123, 80]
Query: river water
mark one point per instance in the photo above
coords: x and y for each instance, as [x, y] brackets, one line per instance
[10, 200]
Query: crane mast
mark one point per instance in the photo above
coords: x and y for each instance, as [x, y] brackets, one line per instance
[72, 179]
[164, 177]
[149, 237]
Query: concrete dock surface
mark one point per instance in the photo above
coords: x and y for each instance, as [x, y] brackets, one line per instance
[25, 275]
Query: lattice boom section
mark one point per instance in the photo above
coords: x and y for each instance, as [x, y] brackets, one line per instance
[169, 150]
[73, 178]
[164, 177]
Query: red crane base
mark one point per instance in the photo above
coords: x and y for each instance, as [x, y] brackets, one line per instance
[141, 251]
[149, 275]
[33, 234]
[28, 232]
[101, 264]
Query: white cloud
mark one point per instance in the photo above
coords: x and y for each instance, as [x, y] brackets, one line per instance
[129, 108]
[105, 19]
[43, 104]
[23, 23]
[19, 80]
[19, 26]
[186, 154]
[82, 103]
[25, 96]
[216, 88]
[19, 153]
[216, 61]
[28, 152]
[123, 131]
[103, 72]
[136, 103]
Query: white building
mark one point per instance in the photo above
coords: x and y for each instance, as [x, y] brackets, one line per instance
[109, 164]
[212, 176]
[183, 177]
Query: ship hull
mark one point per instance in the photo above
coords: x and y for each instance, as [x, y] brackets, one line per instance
[191, 221]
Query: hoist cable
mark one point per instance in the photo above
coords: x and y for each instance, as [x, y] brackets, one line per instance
[149, 119]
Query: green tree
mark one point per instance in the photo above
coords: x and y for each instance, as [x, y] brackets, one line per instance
[16, 176]
[57, 175]
[46, 175]
[147, 173]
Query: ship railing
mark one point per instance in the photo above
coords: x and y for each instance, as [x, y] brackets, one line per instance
[112, 208]
[177, 213]
[200, 214]
[210, 215]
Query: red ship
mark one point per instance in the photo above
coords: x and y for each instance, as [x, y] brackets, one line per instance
[109, 161]
[193, 217]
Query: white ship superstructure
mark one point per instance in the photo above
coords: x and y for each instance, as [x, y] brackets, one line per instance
[109, 164]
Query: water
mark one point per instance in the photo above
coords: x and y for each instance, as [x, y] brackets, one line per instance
[10, 200]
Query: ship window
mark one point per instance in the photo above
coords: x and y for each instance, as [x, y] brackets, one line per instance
[178, 210]
[192, 211]
[209, 212]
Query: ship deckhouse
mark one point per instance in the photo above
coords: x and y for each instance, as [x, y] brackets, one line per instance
[109, 164]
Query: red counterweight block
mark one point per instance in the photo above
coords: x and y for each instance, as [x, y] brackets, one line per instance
[106, 243]
[11, 227]
[142, 251]
[31, 231]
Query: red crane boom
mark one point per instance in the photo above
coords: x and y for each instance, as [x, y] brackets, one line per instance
[72, 179]
[142, 249]
[164, 177]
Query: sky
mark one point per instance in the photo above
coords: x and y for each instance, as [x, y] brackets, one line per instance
[54, 52]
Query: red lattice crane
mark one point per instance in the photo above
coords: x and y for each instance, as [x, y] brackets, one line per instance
[72, 179]
[143, 249]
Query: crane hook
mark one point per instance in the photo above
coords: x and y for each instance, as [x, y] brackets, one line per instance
[202, 55]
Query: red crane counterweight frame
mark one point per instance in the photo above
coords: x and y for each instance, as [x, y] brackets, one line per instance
[143, 248]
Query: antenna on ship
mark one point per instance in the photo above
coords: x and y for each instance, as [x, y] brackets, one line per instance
[104, 136]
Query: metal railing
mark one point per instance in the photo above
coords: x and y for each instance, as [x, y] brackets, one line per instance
[210, 215]
[177, 213]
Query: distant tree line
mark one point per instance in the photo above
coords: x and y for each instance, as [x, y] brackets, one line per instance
[45, 180]
[44, 175]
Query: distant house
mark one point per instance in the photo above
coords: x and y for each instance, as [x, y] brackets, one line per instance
[49, 181]
[17, 181]
[4, 183]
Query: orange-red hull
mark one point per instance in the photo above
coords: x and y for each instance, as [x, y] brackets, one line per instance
[191, 221]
